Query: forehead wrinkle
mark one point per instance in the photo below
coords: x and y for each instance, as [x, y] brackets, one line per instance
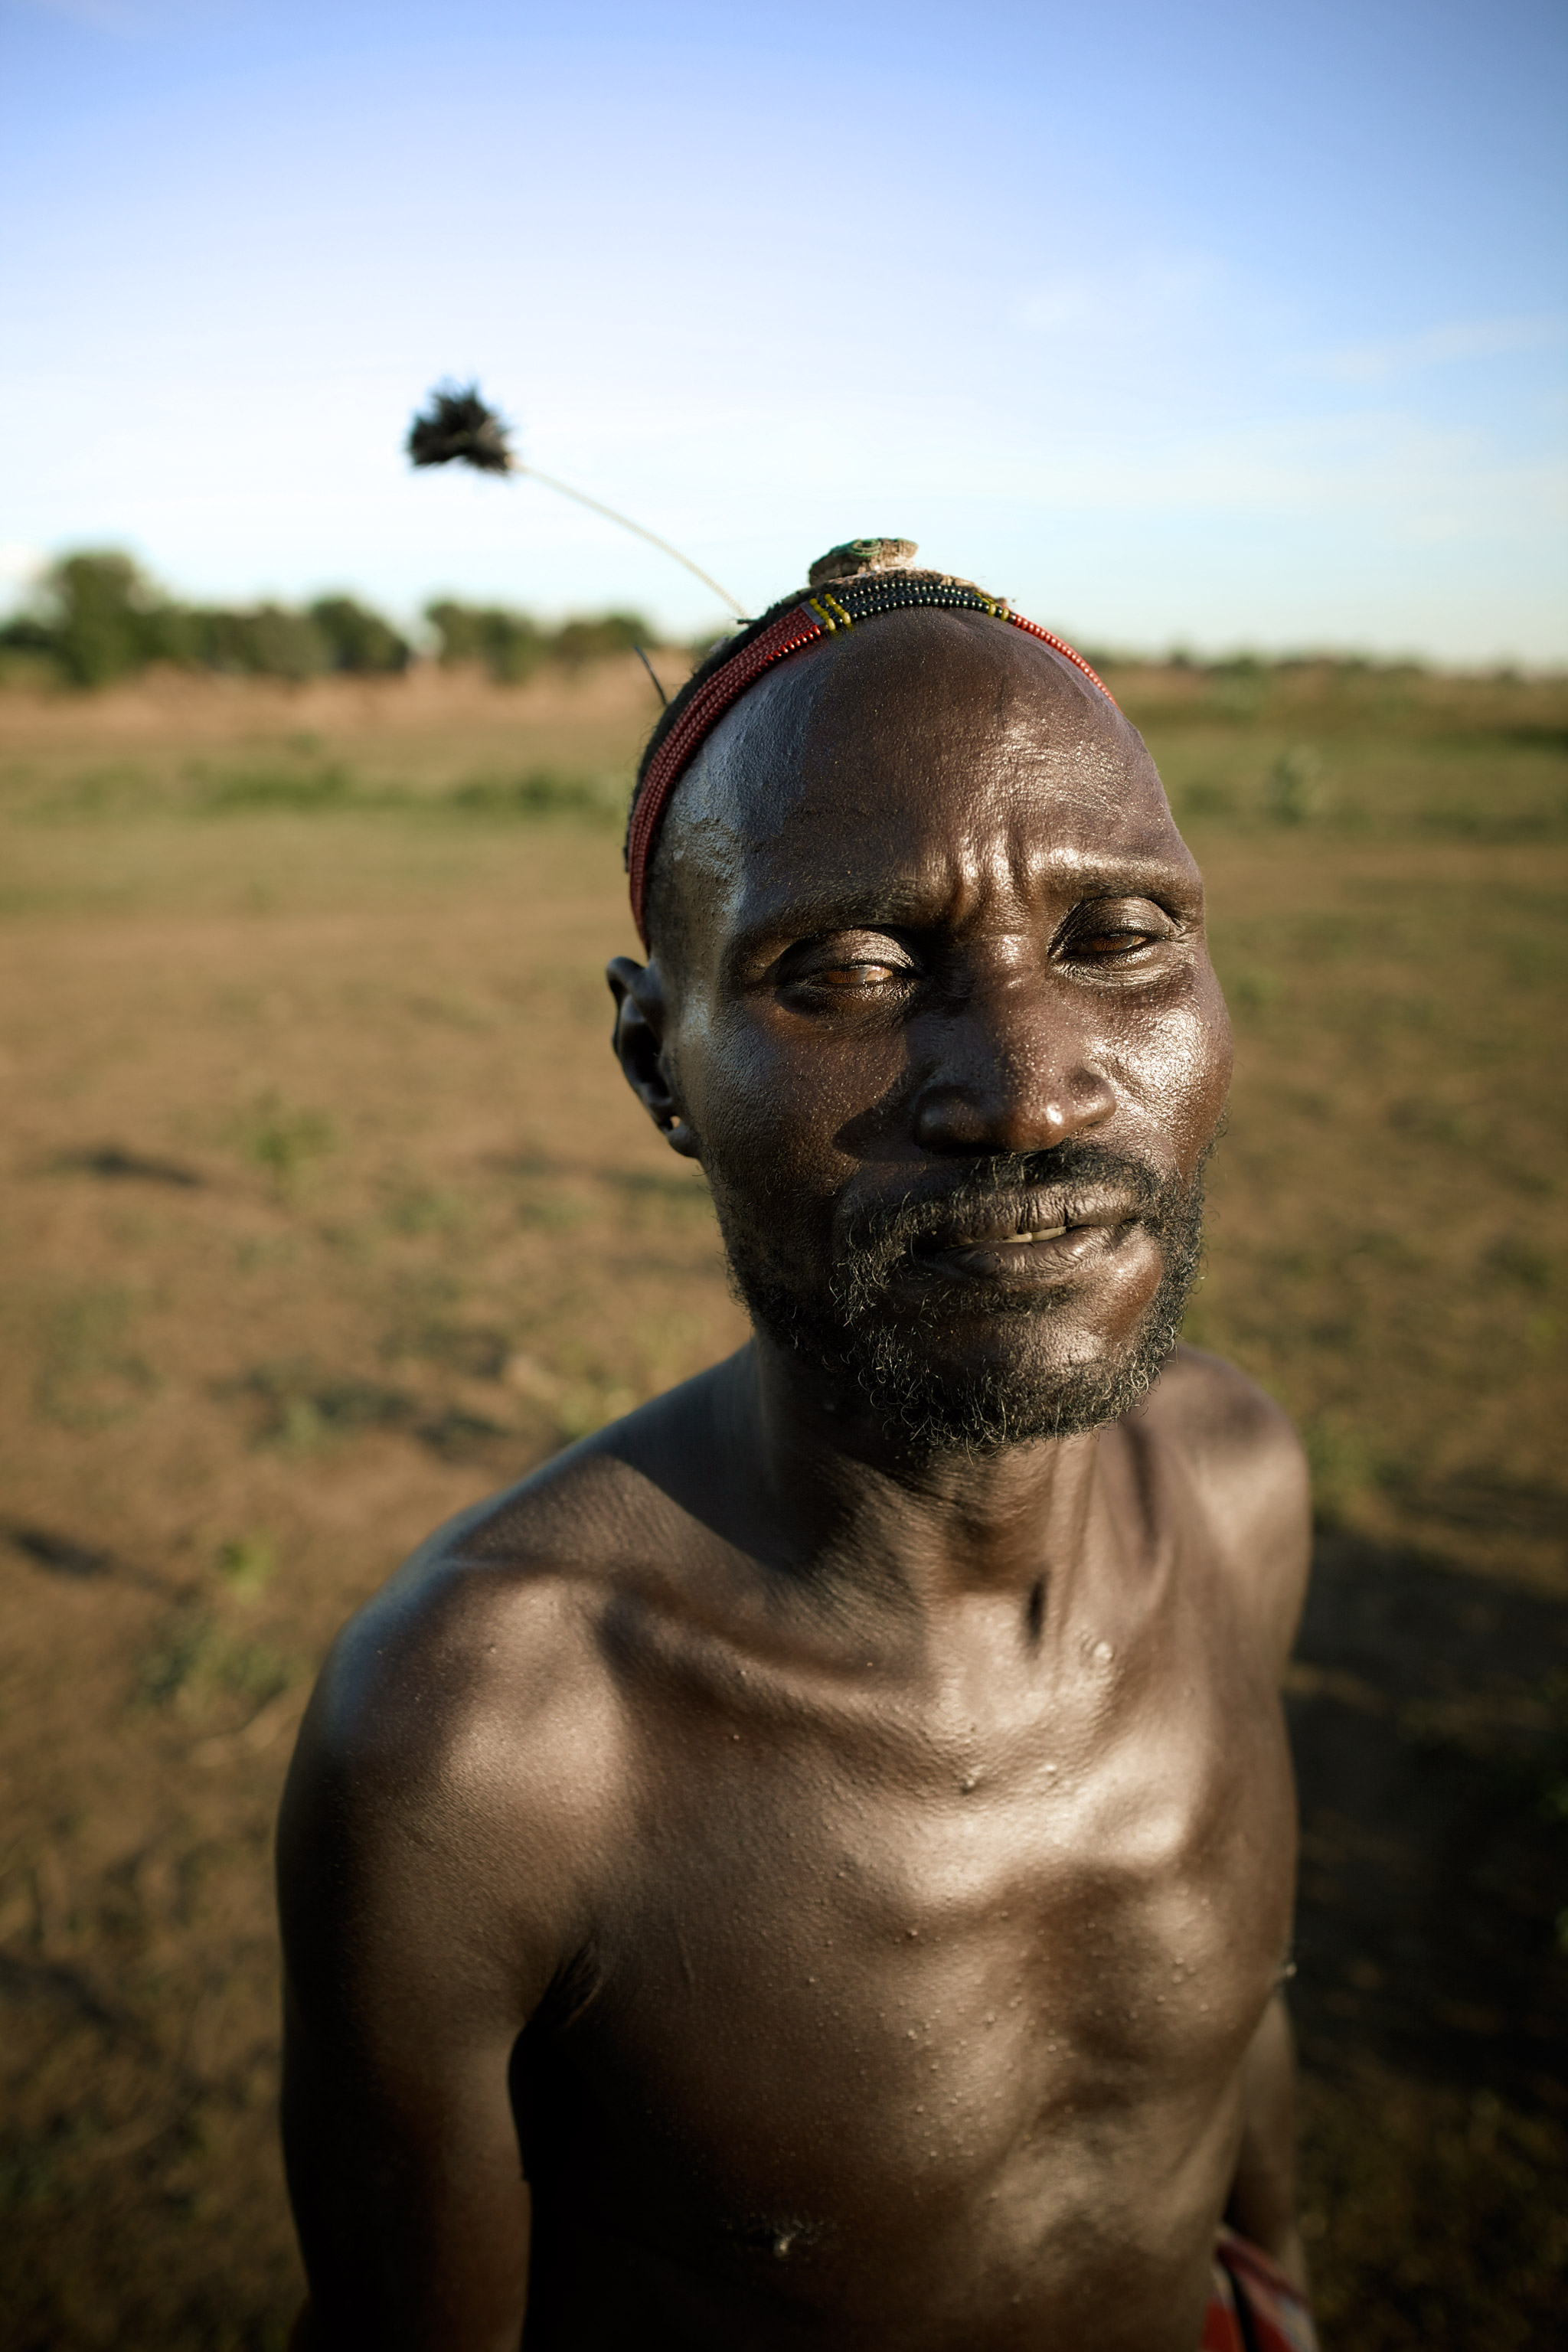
[908, 867]
[918, 902]
[775, 766]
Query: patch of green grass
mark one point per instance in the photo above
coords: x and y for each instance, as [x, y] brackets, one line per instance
[456, 1435]
[417, 1208]
[87, 1373]
[685, 1198]
[196, 1659]
[542, 791]
[556, 1207]
[586, 1405]
[296, 778]
[304, 1410]
[1253, 988]
[1348, 749]
[284, 1140]
[477, 1353]
[247, 1565]
[301, 790]
[109, 788]
[1201, 797]
[1296, 787]
[1343, 1456]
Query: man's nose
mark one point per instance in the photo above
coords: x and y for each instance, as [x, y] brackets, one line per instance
[1013, 1069]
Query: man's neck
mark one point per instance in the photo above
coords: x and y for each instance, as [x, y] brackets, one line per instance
[845, 1502]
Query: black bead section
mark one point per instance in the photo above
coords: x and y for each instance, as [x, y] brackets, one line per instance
[862, 603]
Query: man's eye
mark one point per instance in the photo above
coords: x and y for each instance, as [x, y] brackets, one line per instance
[1115, 933]
[1110, 943]
[858, 975]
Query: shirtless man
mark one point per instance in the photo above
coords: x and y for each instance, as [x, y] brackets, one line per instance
[812, 1867]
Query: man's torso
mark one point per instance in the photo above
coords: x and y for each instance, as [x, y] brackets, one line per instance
[909, 1984]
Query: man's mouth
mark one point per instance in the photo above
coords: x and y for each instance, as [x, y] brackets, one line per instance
[1045, 1223]
[1013, 1238]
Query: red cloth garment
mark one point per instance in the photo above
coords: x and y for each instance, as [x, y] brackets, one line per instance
[1254, 2307]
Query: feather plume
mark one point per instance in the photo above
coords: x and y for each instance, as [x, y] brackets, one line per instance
[459, 428]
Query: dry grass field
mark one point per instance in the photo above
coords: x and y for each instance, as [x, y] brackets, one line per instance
[326, 1211]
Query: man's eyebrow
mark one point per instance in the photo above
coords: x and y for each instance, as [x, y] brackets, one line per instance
[904, 902]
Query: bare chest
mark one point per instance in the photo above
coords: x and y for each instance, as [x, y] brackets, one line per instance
[911, 1999]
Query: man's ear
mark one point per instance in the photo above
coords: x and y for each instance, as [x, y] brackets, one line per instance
[638, 1040]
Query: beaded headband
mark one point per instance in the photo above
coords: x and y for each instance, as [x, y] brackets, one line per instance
[819, 615]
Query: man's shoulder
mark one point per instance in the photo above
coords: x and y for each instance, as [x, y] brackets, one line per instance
[492, 1616]
[1249, 1471]
[490, 1631]
[1214, 1410]
[463, 1748]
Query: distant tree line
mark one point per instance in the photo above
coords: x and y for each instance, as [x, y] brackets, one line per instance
[97, 617]
[512, 645]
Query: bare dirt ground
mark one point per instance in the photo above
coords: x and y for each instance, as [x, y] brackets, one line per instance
[327, 1212]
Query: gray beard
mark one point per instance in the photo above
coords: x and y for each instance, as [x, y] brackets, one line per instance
[925, 1403]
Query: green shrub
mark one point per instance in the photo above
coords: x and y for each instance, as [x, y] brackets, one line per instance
[510, 645]
[578, 642]
[270, 642]
[358, 640]
[98, 618]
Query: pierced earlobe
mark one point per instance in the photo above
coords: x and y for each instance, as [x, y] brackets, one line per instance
[680, 1136]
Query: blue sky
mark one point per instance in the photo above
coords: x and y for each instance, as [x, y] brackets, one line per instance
[1211, 324]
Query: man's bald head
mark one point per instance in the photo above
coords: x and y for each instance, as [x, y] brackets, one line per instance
[939, 701]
